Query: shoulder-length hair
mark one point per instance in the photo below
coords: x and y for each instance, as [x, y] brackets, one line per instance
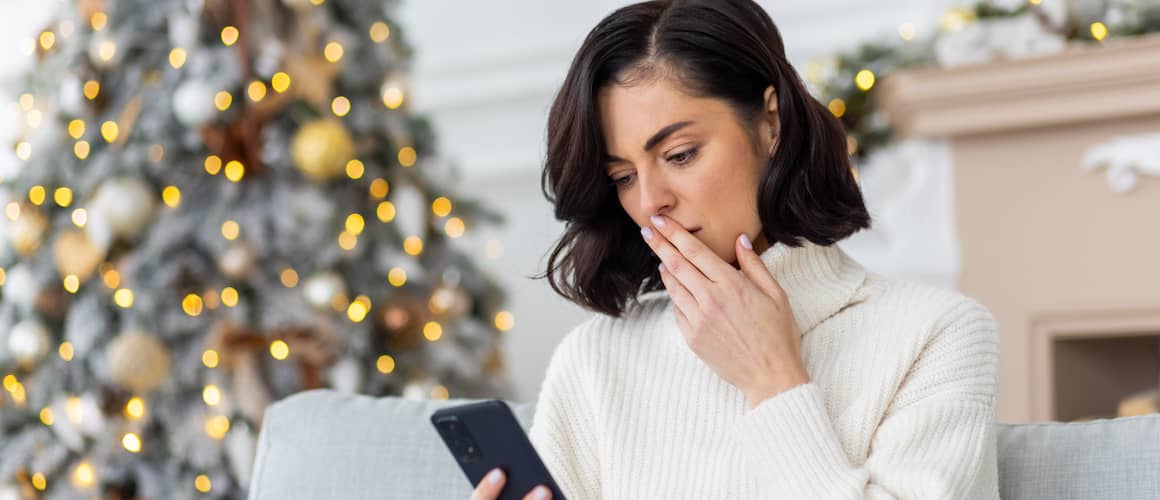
[726, 49]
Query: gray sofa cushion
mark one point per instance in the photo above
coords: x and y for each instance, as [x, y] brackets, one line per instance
[1114, 459]
[323, 445]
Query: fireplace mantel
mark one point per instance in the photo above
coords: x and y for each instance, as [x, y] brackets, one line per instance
[1045, 244]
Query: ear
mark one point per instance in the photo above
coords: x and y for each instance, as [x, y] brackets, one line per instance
[771, 117]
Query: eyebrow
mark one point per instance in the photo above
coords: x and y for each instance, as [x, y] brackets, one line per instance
[654, 140]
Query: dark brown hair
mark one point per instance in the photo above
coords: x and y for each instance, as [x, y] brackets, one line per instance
[725, 49]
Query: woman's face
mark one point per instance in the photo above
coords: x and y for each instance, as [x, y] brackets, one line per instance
[686, 158]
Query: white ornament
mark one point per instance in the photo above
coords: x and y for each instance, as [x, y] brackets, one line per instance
[1126, 158]
[28, 342]
[8, 491]
[21, 287]
[101, 45]
[137, 361]
[345, 375]
[321, 289]
[193, 103]
[126, 204]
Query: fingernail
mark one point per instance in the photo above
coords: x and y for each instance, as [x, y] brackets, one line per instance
[657, 220]
[648, 233]
[745, 242]
[542, 493]
[494, 477]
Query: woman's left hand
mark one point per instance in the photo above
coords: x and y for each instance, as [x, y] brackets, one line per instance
[739, 323]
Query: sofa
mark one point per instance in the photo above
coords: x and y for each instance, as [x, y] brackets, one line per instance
[323, 445]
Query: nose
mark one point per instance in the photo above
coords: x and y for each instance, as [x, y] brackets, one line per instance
[656, 196]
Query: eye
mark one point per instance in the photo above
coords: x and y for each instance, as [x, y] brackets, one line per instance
[683, 157]
[623, 181]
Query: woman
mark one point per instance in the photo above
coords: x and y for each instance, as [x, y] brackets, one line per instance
[738, 352]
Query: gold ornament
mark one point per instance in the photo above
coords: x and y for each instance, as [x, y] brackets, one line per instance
[26, 232]
[76, 254]
[138, 361]
[403, 320]
[448, 302]
[321, 149]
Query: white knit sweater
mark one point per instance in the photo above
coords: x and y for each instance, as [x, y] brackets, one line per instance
[901, 401]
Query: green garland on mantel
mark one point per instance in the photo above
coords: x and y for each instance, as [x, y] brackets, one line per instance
[845, 82]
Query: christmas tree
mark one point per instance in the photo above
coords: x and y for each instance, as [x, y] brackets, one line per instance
[216, 204]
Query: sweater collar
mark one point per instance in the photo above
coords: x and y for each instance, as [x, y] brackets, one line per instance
[818, 280]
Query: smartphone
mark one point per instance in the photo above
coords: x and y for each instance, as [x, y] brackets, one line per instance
[485, 435]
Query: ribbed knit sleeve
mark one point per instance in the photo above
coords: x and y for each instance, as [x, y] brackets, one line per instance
[935, 440]
[563, 429]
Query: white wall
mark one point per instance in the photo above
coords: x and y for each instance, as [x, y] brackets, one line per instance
[486, 73]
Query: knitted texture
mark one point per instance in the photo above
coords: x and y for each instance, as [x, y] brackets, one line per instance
[901, 401]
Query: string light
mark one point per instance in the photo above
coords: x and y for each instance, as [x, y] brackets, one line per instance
[230, 230]
[280, 82]
[107, 50]
[211, 299]
[397, 277]
[76, 128]
[109, 131]
[33, 118]
[229, 36]
[837, 107]
[99, 20]
[72, 283]
[62, 196]
[256, 91]
[230, 296]
[358, 309]
[36, 195]
[135, 408]
[209, 358]
[380, 32]
[340, 106]
[132, 442]
[217, 427]
[385, 211]
[46, 416]
[413, 245]
[212, 395]
[1099, 31]
[3, 276]
[192, 304]
[47, 40]
[454, 227]
[504, 321]
[39, 482]
[110, 276]
[347, 241]
[123, 297]
[222, 100]
[12, 210]
[407, 156]
[80, 217]
[379, 188]
[333, 52]
[235, 170]
[432, 331]
[392, 96]
[171, 196]
[202, 483]
[355, 224]
[213, 164]
[279, 350]
[92, 89]
[864, 80]
[27, 101]
[289, 278]
[83, 476]
[66, 351]
[81, 149]
[355, 169]
[441, 206]
[23, 150]
[177, 57]
[385, 364]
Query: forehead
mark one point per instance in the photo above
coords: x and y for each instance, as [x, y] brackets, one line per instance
[630, 114]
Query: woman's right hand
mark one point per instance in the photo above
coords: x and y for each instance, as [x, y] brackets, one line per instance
[493, 482]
